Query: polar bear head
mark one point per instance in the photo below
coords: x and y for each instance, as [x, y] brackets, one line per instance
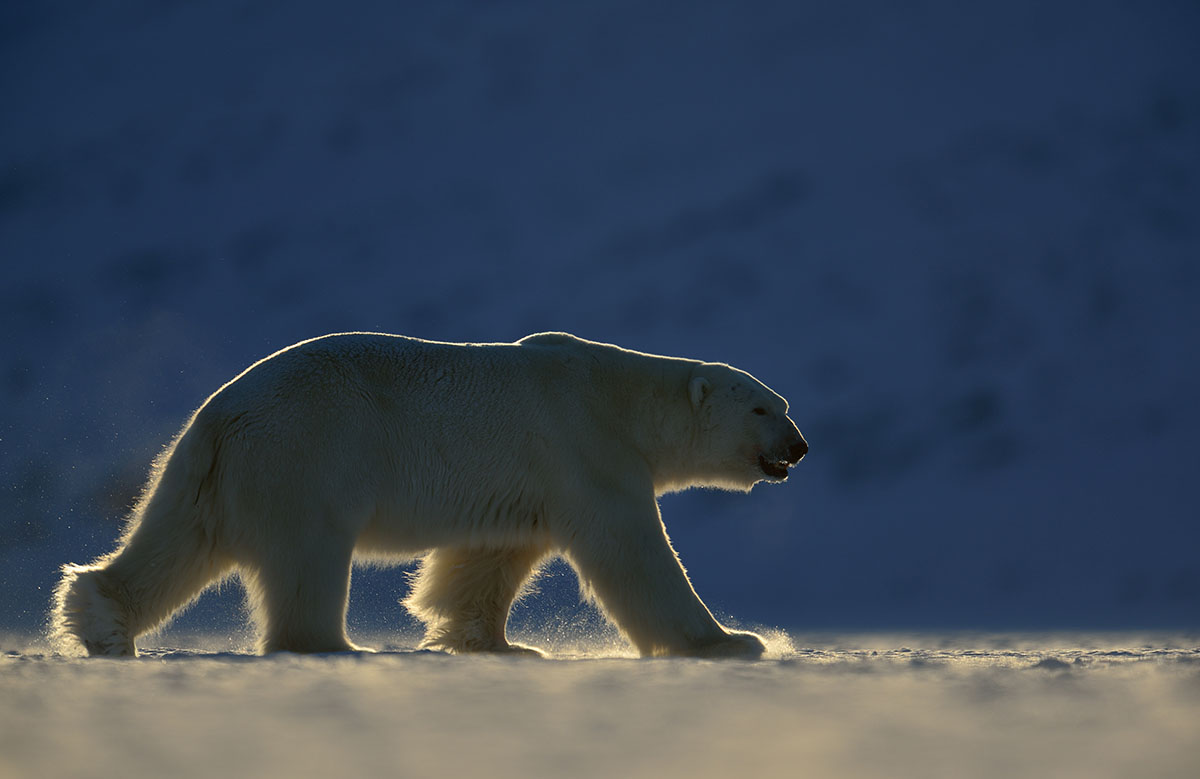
[743, 433]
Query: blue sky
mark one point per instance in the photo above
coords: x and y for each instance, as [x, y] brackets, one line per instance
[961, 240]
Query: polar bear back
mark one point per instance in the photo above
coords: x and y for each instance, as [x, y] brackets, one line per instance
[480, 440]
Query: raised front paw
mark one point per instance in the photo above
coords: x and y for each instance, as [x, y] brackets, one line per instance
[735, 643]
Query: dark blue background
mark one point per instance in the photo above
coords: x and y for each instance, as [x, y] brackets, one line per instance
[960, 238]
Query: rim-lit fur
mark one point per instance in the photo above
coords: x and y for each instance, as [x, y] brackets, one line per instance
[482, 459]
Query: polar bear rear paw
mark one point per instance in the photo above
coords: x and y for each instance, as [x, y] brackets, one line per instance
[735, 644]
[113, 645]
[84, 613]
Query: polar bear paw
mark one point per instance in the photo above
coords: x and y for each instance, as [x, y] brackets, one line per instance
[734, 644]
[85, 614]
[520, 650]
[461, 642]
[513, 650]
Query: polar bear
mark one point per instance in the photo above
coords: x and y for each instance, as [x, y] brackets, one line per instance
[482, 459]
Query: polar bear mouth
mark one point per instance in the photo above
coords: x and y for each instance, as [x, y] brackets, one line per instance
[776, 469]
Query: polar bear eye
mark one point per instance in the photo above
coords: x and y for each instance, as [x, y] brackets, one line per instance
[762, 412]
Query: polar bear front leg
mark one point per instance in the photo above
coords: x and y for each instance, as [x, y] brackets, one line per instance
[464, 595]
[626, 563]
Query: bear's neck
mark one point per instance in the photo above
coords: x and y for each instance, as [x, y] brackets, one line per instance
[648, 408]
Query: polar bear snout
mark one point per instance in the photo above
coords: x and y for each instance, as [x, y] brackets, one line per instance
[775, 465]
[797, 450]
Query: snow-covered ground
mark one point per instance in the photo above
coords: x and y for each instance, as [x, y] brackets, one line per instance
[923, 706]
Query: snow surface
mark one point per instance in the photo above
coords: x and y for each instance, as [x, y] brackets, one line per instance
[917, 706]
[961, 238]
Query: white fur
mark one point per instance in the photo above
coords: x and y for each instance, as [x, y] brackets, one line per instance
[485, 459]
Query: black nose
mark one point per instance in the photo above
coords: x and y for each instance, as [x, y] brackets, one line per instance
[797, 450]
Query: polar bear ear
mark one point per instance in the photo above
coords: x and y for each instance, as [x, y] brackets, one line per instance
[698, 389]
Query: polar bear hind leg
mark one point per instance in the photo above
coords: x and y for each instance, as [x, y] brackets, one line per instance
[169, 555]
[298, 600]
[160, 569]
[464, 595]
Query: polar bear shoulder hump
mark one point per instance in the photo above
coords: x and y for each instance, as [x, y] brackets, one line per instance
[551, 339]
